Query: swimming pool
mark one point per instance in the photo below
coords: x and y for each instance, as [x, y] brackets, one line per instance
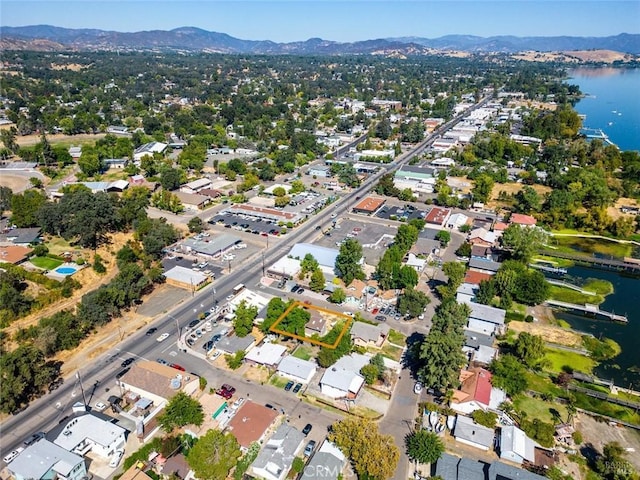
[66, 270]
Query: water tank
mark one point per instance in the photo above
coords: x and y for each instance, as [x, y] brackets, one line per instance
[175, 383]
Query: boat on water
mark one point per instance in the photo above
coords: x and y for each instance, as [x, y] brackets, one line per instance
[433, 418]
[451, 421]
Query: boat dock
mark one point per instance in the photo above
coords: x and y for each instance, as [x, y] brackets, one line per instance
[631, 265]
[597, 133]
[545, 268]
[588, 309]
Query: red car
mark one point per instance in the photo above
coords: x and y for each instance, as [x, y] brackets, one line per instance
[226, 391]
[177, 367]
[374, 311]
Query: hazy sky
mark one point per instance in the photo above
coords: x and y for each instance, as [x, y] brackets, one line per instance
[335, 20]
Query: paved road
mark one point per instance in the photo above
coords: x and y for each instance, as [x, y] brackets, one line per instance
[47, 411]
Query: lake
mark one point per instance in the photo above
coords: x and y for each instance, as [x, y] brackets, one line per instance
[625, 368]
[612, 103]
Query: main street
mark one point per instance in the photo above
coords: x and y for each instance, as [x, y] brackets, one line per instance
[48, 410]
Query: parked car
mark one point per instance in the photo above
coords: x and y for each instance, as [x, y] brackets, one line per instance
[127, 362]
[381, 318]
[151, 331]
[117, 456]
[177, 367]
[207, 346]
[417, 388]
[33, 438]
[11, 456]
[226, 391]
[162, 361]
[288, 386]
[99, 407]
[193, 323]
[307, 428]
[308, 450]
[215, 355]
[297, 388]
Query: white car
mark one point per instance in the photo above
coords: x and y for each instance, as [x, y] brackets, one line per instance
[11, 457]
[100, 407]
[417, 388]
[117, 456]
[162, 337]
[215, 355]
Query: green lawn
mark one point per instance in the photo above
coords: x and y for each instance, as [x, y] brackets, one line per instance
[390, 351]
[538, 408]
[303, 353]
[556, 262]
[568, 295]
[46, 263]
[278, 381]
[591, 245]
[396, 337]
[571, 360]
[601, 287]
[605, 408]
[541, 384]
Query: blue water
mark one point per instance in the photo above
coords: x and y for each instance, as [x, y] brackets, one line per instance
[612, 103]
[625, 368]
[66, 270]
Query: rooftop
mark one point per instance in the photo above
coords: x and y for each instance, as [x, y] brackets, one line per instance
[437, 215]
[14, 253]
[368, 332]
[369, 204]
[235, 344]
[521, 219]
[266, 354]
[88, 426]
[250, 422]
[296, 367]
[153, 378]
[326, 463]
[467, 429]
[185, 275]
[216, 244]
[325, 256]
[279, 451]
[37, 459]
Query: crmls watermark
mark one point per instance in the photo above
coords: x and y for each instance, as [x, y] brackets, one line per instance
[619, 468]
[321, 471]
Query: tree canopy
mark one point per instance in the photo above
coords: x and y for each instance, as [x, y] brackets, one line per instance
[348, 266]
[180, 411]
[214, 455]
[423, 446]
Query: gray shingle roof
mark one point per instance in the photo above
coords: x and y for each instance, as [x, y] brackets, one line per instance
[280, 449]
[467, 429]
[326, 464]
[296, 367]
[36, 460]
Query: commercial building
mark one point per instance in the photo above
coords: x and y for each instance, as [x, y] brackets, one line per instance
[212, 247]
[369, 205]
[183, 277]
[44, 460]
[326, 257]
[89, 432]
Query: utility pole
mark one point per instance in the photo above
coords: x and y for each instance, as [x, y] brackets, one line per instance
[84, 398]
[263, 264]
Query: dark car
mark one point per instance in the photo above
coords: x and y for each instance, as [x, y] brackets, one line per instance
[162, 361]
[381, 318]
[268, 405]
[216, 338]
[151, 331]
[297, 388]
[294, 289]
[207, 346]
[193, 323]
[127, 362]
[31, 439]
[307, 428]
[288, 386]
[121, 373]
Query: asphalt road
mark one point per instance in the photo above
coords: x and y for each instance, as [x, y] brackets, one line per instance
[48, 410]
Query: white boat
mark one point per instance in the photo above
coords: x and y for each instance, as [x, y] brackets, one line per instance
[433, 418]
[440, 427]
[451, 421]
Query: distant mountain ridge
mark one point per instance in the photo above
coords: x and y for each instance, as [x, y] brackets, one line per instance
[196, 39]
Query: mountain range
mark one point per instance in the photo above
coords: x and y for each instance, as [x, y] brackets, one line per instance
[51, 38]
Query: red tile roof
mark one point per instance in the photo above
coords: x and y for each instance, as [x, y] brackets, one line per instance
[437, 215]
[521, 219]
[475, 278]
[476, 383]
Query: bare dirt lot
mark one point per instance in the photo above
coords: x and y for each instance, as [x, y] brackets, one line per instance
[17, 183]
[511, 189]
[29, 140]
[550, 333]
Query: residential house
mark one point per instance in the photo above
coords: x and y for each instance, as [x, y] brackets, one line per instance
[44, 460]
[483, 237]
[437, 216]
[251, 423]
[502, 471]
[484, 265]
[118, 129]
[233, 344]
[196, 185]
[192, 201]
[86, 432]
[136, 472]
[176, 466]
[485, 319]
[157, 382]
[474, 277]
[476, 392]
[148, 149]
[466, 293]
[22, 236]
[276, 457]
[296, 369]
[319, 171]
[315, 326]
[515, 445]
[457, 220]
[522, 220]
[267, 354]
[470, 433]
[75, 152]
[367, 335]
[450, 467]
[326, 464]
[415, 262]
[14, 254]
[117, 163]
[480, 251]
[343, 378]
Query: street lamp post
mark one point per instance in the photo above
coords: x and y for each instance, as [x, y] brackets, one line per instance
[84, 398]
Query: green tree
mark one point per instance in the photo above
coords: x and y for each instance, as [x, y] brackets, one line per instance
[180, 411]
[423, 446]
[244, 316]
[528, 200]
[444, 237]
[370, 373]
[509, 374]
[25, 207]
[455, 272]
[316, 284]
[235, 361]
[412, 302]
[90, 163]
[165, 200]
[486, 292]
[275, 308]
[214, 455]
[488, 419]
[531, 288]
[482, 188]
[170, 179]
[523, 242]
[337, 296]
[529, 348]
[308, 265]
[195, 225]
[372, 454]
[348, 267]
[295, 321]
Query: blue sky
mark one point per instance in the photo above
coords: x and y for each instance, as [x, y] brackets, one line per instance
[352, 20]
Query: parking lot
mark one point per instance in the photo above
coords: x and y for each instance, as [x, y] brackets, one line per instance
[403, 212]
[245, 223]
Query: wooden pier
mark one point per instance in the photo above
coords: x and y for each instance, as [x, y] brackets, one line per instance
[588, 308]
[631, 265]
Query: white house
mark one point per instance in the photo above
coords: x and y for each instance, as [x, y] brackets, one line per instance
[46, 460]
[343, 379]
[515, 445]
[457, 220]
[148, 149]
[268, 354]
[296, 369]
[276, 457]
[87, 432]
[470, 433]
